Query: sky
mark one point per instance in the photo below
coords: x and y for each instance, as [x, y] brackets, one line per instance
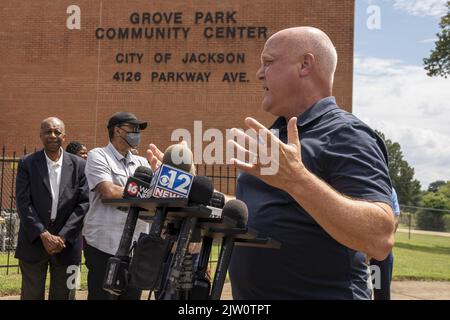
[391, 91]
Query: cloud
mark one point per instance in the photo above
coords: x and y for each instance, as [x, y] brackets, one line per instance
[435, 8]
[430, 40]
[410, 108]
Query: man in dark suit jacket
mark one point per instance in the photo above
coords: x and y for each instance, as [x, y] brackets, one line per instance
[52, 200]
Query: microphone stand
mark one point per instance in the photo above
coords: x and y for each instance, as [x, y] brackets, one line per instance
[127, 235]
[183, 242]
[158, 221]
[156, 229]
[117, 266]
[222, 266]
[201, 284]
[203, 259]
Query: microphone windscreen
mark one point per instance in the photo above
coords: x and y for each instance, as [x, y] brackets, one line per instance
[236, 210]
[201, 190]
[179, 156]
[143, 173]
[217, 200]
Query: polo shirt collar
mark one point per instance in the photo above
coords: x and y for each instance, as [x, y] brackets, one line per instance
[118, 155]
[312, 113]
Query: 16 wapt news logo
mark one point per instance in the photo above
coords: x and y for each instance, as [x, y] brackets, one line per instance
[138, 191]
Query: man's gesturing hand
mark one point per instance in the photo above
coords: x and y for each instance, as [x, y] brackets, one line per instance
[287, 160]
[154, 157]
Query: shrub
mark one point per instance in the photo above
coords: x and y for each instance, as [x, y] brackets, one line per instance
[428, 220]
[446, 219]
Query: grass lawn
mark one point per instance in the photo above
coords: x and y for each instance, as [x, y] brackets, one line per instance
[10, 283]
[424, 257]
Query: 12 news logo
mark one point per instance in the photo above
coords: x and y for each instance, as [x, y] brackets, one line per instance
[171, 183]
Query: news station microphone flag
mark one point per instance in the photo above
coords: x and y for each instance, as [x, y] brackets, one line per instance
[171, 179]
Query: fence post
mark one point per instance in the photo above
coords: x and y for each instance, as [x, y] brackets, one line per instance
[3, 244]
[10, 214]
[2, 177]
[409, 229]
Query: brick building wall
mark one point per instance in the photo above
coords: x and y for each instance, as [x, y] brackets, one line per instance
[49, 69]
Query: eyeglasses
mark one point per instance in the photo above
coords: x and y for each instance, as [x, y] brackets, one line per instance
[135, 129]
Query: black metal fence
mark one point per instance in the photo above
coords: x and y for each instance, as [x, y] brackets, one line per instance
[9, 220]
[412, 218]
[224, 179]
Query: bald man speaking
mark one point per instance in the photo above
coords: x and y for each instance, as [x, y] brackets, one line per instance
[329, 201]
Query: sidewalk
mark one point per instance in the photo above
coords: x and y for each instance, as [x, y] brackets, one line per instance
[420, 290]
[401, 290]
[431, 233]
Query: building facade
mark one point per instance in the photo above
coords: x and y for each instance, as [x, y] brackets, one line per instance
[174, 63]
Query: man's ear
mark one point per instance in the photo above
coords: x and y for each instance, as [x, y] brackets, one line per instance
[307, 62]
[116, 131]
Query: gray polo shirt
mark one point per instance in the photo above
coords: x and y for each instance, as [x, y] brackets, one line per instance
[103, 224]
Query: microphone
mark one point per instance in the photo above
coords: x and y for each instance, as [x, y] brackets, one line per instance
[238, 211]
[202, 285]
[138, 185]
[201, 192]
[116, 276]
[171, 180]
[217, 200]
[216, 204]
[179, 156]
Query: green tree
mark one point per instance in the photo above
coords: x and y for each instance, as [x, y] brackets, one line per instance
[438, 64]
[434, 186]
[402, 174]
[445, 190]
[430, 219]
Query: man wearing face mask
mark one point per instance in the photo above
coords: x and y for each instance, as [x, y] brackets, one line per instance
[107, 171]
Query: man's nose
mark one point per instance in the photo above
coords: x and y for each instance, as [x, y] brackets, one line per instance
[52, 135]
[260, 73]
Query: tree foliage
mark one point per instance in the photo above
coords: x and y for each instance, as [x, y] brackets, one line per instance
[402, 174]
[439, 199]
[434, 186]
[438, 64]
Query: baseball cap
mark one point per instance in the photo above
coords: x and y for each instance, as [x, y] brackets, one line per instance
[125, 117]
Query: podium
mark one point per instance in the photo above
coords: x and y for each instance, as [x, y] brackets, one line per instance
[203, 221]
